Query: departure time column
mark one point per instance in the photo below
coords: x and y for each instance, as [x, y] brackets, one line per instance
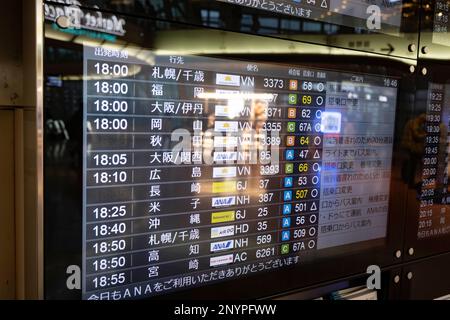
[108, 123]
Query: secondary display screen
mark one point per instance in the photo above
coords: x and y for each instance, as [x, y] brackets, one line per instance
[199, 170]
[426, 138]
[441, 22]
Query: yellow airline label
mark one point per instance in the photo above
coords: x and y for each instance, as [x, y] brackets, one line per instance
[224, 186]
[224, 216]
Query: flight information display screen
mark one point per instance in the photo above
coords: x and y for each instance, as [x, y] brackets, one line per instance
[199, 170]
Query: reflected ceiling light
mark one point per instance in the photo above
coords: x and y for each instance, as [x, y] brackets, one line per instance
[86, 41]
[233, 108]
[331, 122]
[352, 95]
[234, 96]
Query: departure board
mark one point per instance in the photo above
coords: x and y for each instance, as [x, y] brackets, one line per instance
[199, 170]
[433, 127]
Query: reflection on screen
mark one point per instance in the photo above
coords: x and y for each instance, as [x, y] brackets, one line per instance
[199, 170]
[370, 13]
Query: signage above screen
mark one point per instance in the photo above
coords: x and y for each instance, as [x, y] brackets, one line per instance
[374, 13]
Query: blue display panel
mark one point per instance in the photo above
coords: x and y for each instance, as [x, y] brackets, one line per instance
[199, 170]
